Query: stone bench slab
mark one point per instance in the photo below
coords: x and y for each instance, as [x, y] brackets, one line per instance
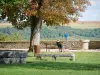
[72, 56]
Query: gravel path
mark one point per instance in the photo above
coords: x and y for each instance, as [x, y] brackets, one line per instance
[57, 50]
[67, 50]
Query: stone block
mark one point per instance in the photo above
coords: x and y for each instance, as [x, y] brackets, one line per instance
[13, 56]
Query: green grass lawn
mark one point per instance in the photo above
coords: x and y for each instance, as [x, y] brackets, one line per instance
[87, 63]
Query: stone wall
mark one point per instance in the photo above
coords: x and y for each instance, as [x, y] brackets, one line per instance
[12, 56]
[50, 44]
[15, 44]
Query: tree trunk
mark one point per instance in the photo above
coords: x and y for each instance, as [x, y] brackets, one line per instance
[36, 24]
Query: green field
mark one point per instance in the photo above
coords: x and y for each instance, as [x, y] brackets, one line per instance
[78, 25]
[86, 24]
[87, 63]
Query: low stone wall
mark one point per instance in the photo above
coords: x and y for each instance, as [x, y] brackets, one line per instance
[73, 45]
[14, 44]
[12, 56]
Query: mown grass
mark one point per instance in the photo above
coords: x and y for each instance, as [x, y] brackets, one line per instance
[87, 63]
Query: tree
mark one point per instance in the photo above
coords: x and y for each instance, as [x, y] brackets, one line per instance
[23, 13]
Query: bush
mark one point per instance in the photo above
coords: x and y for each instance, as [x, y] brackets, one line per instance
[11, 37]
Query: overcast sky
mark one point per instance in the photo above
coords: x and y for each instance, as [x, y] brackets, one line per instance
[92, 13]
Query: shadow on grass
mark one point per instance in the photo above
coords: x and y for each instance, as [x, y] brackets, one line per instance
[45, 65]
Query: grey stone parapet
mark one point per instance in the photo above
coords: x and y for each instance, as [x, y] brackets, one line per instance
[12, 56]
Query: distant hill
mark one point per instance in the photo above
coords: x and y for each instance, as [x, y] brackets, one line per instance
[58, 32]
[78, 30]
[78, 24]
[85, 24]
[54, 33]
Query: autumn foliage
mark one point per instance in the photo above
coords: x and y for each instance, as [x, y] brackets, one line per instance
[52, 12]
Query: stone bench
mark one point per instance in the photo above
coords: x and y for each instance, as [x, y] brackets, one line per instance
[54, 56]
[13, 56]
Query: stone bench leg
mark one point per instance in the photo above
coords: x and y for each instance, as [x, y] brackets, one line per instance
[39, 57]
[73, 57]
[54, 57]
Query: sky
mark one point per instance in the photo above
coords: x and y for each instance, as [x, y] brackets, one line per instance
[92, 12]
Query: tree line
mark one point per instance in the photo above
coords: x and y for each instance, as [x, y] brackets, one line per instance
[47, 32]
